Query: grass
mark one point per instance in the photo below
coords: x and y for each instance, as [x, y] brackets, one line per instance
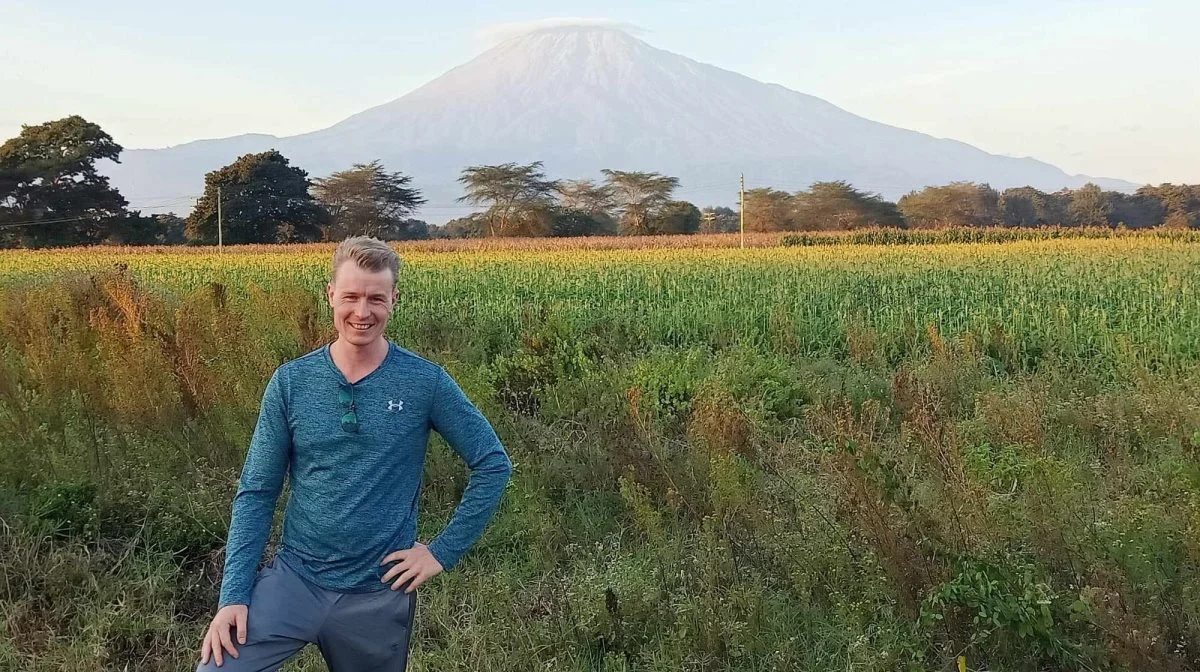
[850, 458]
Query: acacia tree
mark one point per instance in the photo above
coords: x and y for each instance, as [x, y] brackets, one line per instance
[263, 200]
[954, 204]
[585, 208]
[50, 186]
[585, 196]
[518, 197]
[366, 200]
[639, 196]
[768, 210]
[841, 207]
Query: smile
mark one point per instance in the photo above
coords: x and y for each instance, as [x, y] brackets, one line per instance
[360, 327]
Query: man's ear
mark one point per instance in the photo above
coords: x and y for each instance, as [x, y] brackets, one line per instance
[329, 292]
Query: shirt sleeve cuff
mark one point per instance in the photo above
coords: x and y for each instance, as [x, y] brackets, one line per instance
[444, 557]
[236, 599]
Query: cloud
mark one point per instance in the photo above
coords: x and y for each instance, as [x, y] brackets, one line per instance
[500, 32]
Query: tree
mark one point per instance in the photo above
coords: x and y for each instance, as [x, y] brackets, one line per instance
[366, 200]
[676, 217]
[639, 197]
[415, 229]
[518, 197]
[1023, 207]
[1058, 208]
[1091, 206]
[263, 200]
[174, 228]
[838, 206]
[955, 204]
[568, 223]
[585, 209]
[1136, 211]
[137, 229]
[1180, 203]
[50, 191]
[585, 196]
[471, 226]
[768, 210]
[719, 220]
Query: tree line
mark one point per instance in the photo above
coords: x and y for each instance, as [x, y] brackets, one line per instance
[52, 195]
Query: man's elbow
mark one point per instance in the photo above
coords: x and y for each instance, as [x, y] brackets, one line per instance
[501, 465]
[505, 466]
[494, 463]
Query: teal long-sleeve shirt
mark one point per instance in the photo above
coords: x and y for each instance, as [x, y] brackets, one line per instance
[354, 495]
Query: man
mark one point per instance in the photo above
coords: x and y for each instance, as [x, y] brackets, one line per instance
[349, 422]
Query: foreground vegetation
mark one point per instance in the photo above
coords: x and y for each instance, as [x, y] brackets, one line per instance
[813, 457]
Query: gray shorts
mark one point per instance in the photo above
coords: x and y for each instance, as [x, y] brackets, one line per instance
[366, 632]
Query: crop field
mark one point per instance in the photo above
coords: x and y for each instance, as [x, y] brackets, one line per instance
[802, 455]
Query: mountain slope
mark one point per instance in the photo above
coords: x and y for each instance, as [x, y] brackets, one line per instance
[585, 98]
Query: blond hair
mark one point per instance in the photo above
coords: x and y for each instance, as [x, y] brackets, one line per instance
[370, 254]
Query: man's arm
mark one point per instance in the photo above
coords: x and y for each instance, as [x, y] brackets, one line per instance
[254, 504]
[465, 429]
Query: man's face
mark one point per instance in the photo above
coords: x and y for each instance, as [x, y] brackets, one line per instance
[362, 302]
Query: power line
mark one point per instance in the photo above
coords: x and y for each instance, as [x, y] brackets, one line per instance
[179, 197]
[63, 220]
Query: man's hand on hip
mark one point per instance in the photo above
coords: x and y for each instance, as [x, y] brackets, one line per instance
[217, 639]
[416, 564]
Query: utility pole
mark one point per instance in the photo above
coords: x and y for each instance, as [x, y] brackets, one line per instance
[219, 240]
[742, 209]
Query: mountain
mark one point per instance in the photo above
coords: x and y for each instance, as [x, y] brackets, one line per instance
[585, 98]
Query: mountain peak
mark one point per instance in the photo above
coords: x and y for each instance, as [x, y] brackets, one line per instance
[580, 28]
[516, 31]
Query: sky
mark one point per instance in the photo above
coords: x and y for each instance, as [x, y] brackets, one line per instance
[1101, 87]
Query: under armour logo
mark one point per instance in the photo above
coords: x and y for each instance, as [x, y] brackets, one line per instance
[394, 405]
